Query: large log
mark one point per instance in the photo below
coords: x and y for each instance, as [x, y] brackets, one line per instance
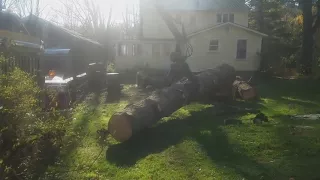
[216, 82]
[164, 102]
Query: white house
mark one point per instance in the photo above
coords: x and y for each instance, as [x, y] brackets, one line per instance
[217, 30]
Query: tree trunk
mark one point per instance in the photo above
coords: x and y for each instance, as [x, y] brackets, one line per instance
[305, 63]
[162, 103]
[260, 8]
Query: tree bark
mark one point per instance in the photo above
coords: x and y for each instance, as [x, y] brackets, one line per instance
[162, 103]
[260, 7]
[305, 63]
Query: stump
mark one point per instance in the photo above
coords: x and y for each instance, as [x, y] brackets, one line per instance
[114, 87]
[141, 79]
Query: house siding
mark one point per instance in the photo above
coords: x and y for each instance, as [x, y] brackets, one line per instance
[202, 58]
[161, 62]
[152, 24]
[206, 19]
[154, 27]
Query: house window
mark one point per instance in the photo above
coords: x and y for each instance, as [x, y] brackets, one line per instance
[219, 18]
[193, 20]
[231, 18]
[122, 50]
[166, 49]
[242, 49]
[178, 19]
[214, 45]
[225, 18]
[156, 50]
[136, 50]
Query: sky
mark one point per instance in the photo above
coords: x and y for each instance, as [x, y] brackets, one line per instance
[51, 6]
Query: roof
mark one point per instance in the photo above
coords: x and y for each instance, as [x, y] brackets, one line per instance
[7, 17]
[64, 30]
[228, 24]
[203, 4]
[77, 35]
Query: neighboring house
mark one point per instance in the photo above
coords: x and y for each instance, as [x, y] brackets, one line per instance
[61, 42]
[217, 30]
[15, 41]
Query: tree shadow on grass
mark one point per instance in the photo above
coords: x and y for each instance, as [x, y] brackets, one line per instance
[71, 141]
[216, 143]
[303, 89]
[169, 133]
[300, 146]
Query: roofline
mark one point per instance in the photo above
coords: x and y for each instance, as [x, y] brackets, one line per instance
[206, 9]
[247, 8]
[142, 40]
[228, 23]
[65, 30]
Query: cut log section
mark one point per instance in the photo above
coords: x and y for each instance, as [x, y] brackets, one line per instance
[147, 112]
[216, 82]
[164, 102]
[243, 90]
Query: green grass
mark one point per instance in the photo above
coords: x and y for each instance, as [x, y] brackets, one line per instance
[194, 144]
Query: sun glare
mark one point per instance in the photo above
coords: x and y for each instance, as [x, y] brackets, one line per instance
[118, 7]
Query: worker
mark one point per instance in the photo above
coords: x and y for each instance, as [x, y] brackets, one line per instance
[179, 68]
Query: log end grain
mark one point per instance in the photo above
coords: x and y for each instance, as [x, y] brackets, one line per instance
[120, 127]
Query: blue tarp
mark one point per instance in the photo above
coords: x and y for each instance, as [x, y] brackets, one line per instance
[55, 52]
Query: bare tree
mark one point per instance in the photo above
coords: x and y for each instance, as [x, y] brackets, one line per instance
[86, 17]
[7, 4]
[131, 22]
[84, 14]
[23, 7]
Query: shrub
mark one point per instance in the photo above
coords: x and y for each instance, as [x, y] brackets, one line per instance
[111, 68]
[27, 135]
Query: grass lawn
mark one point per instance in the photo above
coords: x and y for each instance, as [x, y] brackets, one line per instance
[194, 144]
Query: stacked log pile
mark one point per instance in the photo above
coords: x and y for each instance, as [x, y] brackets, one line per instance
[164, 102]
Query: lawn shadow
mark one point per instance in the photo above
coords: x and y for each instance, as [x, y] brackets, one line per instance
[297, 154]
[133, 94]
[297, 141]
[215, 144]
[302, 89]
[73, 140]
[300, 146]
